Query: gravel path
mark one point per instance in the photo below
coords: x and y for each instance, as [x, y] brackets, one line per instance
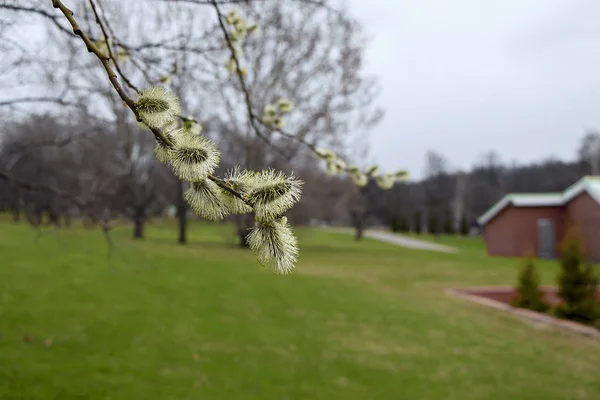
[403, 241]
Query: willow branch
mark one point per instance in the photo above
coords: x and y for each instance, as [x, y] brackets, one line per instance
[34, 10]
[252, 116]
[42, 99]
[208, 2]
[109, 46]
[319, 3]
[159, 134]
[241, 79]
[112, 76]
[171, 47]
[286, 134]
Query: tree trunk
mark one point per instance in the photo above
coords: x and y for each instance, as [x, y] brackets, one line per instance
[138, 228]
[243, 236]
[243, 226]
[17, 213]
[67, 219]
[34, 216]
[138, 224]
[359, 232]
[358, 218]
[17, 206]
[425, 221]
[53, 217]
[182, 218]
[181, 213]
[360, 214]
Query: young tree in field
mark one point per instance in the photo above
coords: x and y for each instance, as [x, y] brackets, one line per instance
[528, 288]
[577, 283]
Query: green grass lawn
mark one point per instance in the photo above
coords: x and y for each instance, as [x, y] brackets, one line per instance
[156, 320]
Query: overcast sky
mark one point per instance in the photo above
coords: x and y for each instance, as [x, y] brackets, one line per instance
[466, 76]
[463, 77]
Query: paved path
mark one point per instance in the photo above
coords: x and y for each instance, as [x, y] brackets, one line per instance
[401, 240]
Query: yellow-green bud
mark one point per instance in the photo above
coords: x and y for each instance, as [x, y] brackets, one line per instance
[284, 105]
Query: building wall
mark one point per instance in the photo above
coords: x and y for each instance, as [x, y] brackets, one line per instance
[514, 230]
[583, 213]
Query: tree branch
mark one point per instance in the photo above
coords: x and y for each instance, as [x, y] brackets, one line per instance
[252, 116]
[34, 10]
[123, 95]
[241, 79]
[108, 45]
[42, 99]
[28, 186]
[112, 76]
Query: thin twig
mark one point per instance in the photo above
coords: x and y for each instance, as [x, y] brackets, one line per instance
[31, 187]
[112, 76]
[252, 116]
[36, 11]
[42, 99]
[241, 79]
[159, 134]
[108, 45]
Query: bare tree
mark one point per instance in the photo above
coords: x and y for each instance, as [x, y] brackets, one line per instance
[435, 172]
[315, 58]
[307, 55]
[459, 200]
[589, 151]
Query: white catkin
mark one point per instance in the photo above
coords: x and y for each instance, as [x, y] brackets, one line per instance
[270, 111]
[274, 193]
[360, 179]
[401, 175]
[194, 157]
[372, 171]
[385, 181]
[162, 152]
[284, 105]
[275, 245]
[207, 200]
[335, 167]
[326, 154]
[242, 181]
[157, 107]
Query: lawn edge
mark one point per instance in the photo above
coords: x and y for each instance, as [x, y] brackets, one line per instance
[521, 312]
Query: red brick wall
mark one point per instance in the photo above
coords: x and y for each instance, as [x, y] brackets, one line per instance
[584, 214]
[514, 230]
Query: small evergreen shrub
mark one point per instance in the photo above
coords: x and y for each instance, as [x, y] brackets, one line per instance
[528, 288]
[577, 284]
